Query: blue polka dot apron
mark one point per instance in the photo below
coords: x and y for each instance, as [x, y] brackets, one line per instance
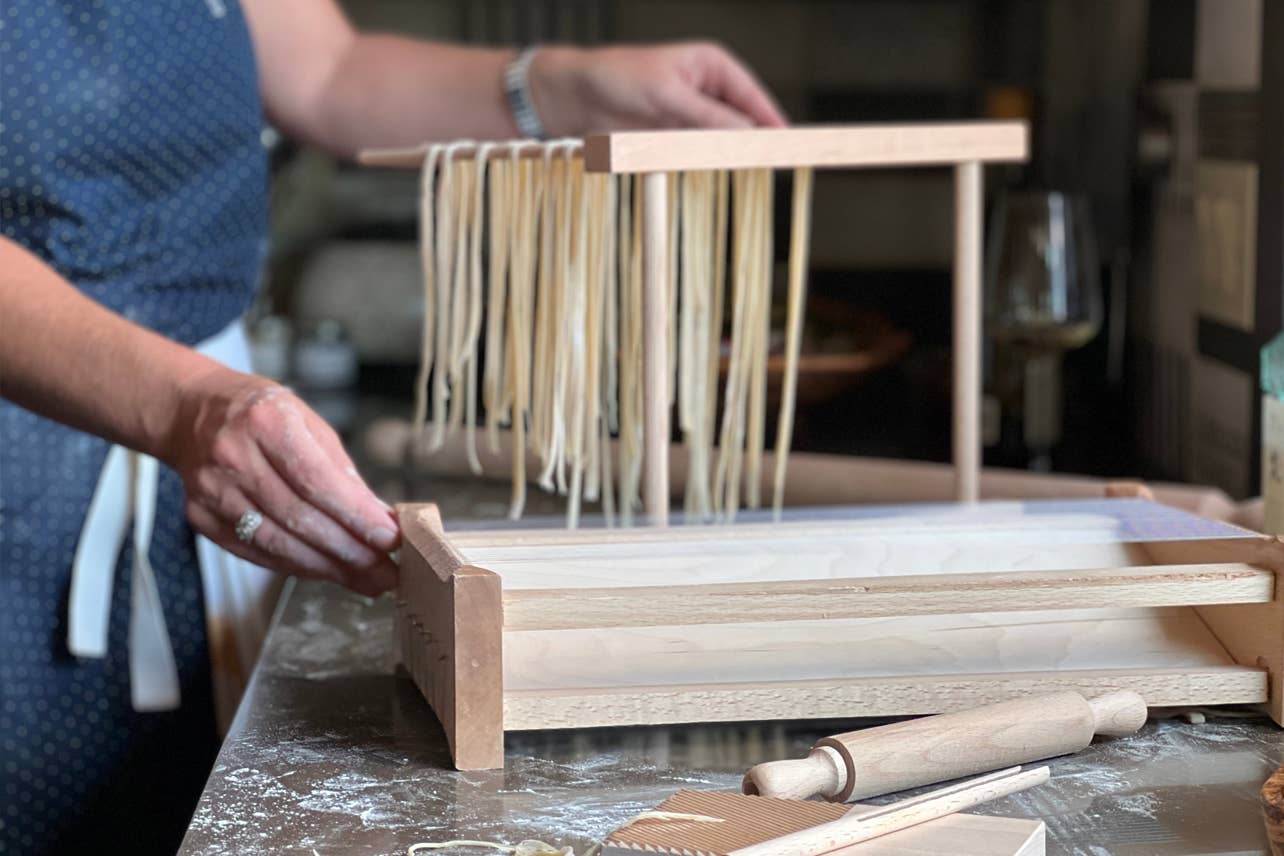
[131, 162]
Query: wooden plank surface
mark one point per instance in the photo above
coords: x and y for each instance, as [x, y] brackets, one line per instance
[812, 560]
[934, 594]
[786, 560]
[526, 710]
[1070, 640]
[534, 544]
[870, 145]
[1082, 520]
[873, 145]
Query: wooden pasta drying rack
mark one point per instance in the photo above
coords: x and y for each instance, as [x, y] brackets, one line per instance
[964, 146]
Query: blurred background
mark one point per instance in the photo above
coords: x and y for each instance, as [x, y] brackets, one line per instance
[1134, 266]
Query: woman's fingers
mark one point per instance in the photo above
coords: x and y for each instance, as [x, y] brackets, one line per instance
[294, 450]
[726, 78]
[266, 489]
[274, 547]
[694, 84]
[333, 446]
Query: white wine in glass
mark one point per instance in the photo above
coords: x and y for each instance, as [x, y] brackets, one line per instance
[1042, 298]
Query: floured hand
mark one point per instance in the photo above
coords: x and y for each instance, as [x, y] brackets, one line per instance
[242, 443]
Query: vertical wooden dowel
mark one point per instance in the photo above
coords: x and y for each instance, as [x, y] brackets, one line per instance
[655, 347]
[968, 220]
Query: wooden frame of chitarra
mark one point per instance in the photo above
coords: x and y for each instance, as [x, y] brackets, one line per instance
[533, 629]
[964, 146]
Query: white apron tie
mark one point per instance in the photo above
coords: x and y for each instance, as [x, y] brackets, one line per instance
[238, 595]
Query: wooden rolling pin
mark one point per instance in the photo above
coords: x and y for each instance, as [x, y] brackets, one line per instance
[891, 758]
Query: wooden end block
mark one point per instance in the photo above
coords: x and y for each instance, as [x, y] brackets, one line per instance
[450, 619]
[1252, 633]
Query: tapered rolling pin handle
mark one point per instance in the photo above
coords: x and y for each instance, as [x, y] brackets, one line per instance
[822, 772]
[1118, 714]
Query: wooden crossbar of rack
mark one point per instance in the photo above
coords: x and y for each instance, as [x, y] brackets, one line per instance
[965, 146]
[892, 611]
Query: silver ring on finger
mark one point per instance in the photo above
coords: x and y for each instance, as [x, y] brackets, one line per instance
[247, 525]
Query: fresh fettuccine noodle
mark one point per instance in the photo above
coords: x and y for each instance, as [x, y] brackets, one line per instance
[532, 275]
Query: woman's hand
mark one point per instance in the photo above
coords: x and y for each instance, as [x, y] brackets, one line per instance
[695, 84]
[242, 443]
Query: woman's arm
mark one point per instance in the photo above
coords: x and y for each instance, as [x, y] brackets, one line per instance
[327, 84]
[239, 441]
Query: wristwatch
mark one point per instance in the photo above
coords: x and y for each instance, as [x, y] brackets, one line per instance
[517, 88]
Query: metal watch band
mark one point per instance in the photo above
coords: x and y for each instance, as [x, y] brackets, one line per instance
[517, 88]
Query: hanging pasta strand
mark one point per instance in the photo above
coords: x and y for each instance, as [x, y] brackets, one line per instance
[799, 242]
[527, 191]
[577, 323]
[631, 408]
[472, 330]
[541, 380]
[556, 349]
[465, 172]
[427, 258]
[726, 486]
[598, 228]
[571, 319]
[694, 339]
[501, 209]
[447, 207]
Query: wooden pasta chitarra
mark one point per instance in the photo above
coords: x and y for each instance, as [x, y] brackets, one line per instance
[889, 611]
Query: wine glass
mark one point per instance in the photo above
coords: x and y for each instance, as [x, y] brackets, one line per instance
[1042, 298]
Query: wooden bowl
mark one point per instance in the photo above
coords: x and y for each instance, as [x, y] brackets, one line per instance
[823, 376]
[1273, 811]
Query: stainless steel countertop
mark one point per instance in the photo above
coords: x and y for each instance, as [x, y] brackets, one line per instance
[335, 752]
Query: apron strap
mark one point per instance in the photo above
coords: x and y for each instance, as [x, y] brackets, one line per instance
[94, 568]
[153, 675]
[126, 491]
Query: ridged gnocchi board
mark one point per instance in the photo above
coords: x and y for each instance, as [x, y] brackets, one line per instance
[750, 820]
